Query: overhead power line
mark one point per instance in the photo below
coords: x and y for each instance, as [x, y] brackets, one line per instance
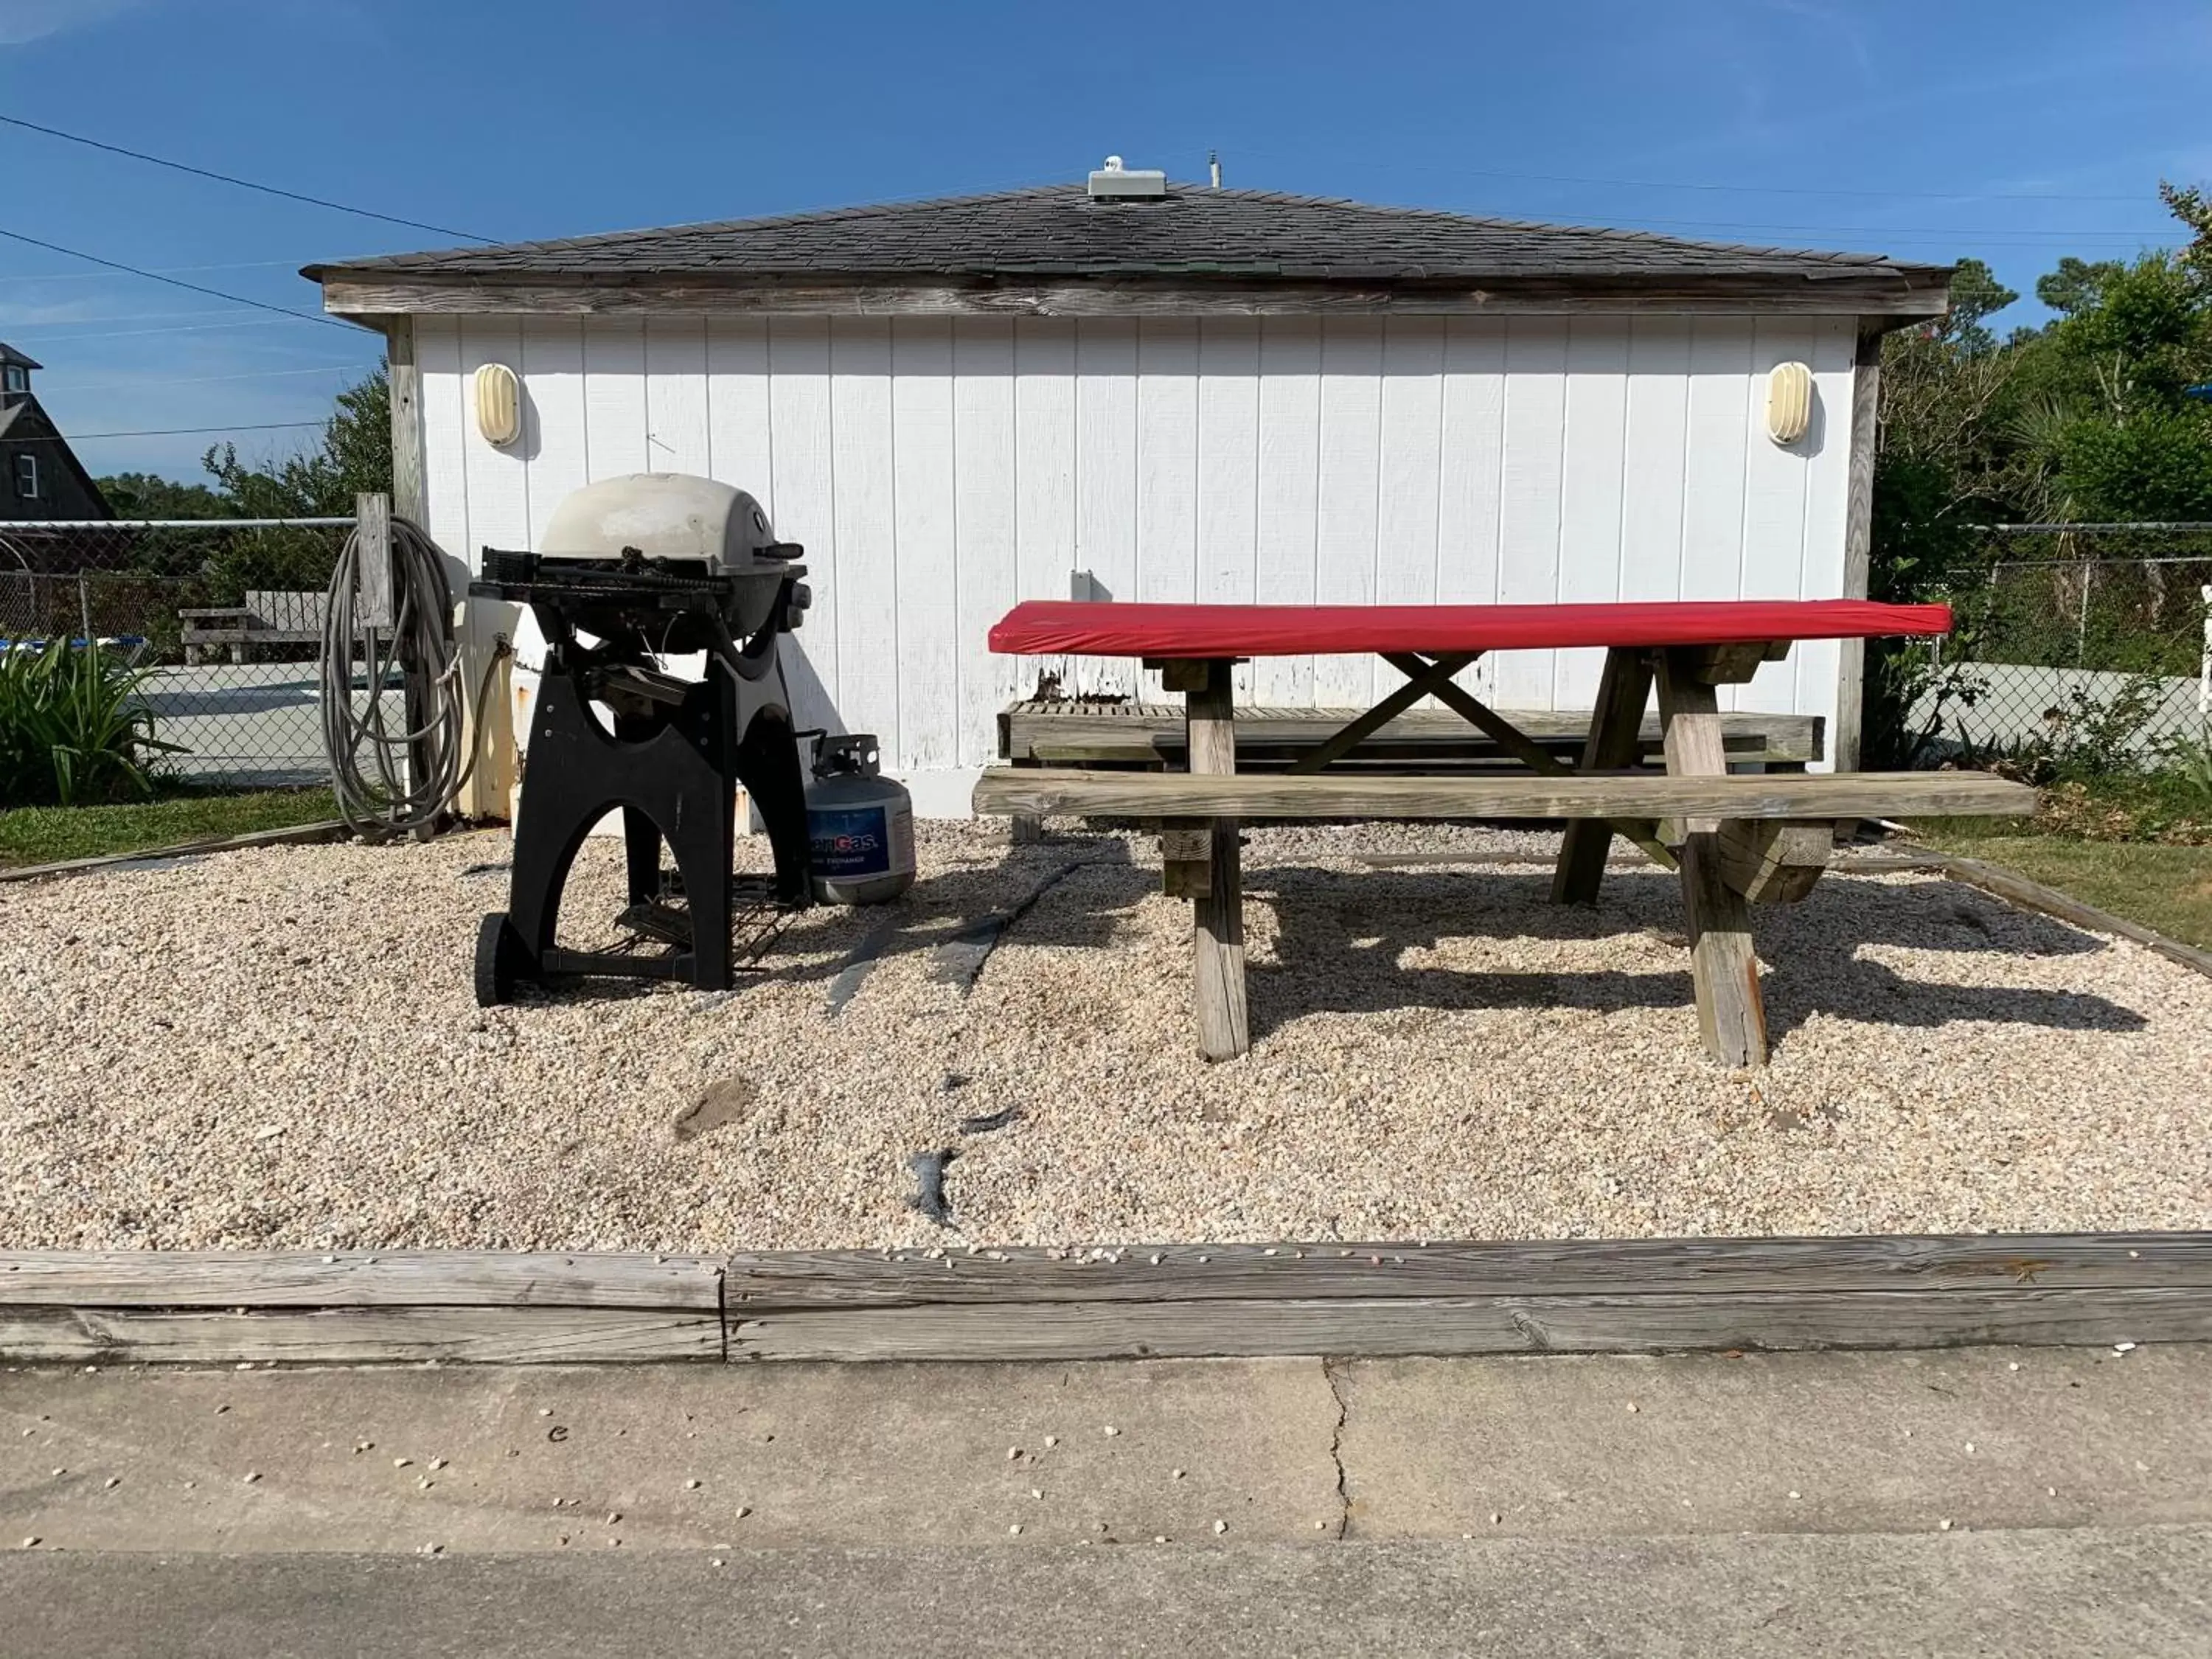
[48, 342]
[168, 432]
[163, 270]
[242, 184]
[118, 317]
[174, 282]
[53, 387]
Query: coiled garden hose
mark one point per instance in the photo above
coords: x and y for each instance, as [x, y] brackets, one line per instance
[381, 790]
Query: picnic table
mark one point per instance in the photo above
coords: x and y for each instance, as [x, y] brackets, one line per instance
[1735, 839]
[269, 617]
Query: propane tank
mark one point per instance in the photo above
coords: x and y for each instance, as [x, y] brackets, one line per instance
[859, 823]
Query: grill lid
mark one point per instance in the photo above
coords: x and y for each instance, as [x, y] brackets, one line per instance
[668, 515]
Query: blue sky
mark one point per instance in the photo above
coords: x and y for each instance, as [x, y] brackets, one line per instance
[2017, 132]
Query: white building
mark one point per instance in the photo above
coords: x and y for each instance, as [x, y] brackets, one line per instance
[1189, 394]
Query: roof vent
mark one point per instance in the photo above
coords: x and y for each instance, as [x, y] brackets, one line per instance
[1115, 179]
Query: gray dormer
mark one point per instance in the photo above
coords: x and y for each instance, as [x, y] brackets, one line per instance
[14, 374]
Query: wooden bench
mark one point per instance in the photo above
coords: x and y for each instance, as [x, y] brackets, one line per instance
[1735, 839]
[1353, 797]
[269, 617]
[1067, 733]
[1046, 732]
[1773, 834]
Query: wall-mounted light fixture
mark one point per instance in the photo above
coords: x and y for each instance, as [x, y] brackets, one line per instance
[1789, 402]
[499, 404]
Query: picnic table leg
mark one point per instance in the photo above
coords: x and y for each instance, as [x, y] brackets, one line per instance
[1615, 740]
[1722, 967]
[1224, 1026]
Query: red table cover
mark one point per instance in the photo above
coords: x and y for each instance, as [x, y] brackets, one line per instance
[1114, 628]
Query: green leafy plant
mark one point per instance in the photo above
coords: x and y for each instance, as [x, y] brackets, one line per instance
[1903, 676]
[2091, 737]
[73, 730]
[2189, 761]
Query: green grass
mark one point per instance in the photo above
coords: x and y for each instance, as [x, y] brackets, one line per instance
[47, 834]
[2168, 888]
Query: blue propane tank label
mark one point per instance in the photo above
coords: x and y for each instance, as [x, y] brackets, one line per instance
[857, 841]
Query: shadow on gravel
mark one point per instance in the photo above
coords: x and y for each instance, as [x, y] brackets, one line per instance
[1340, 937]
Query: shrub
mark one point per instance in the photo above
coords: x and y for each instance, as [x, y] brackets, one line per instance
[2168, 801]
[72, 730]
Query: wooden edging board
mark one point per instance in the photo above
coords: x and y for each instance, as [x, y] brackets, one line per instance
[295, 835]
[215, 1307]
[1161, 1301]
[2019, 891]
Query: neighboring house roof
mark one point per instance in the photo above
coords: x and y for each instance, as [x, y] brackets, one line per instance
[9, 355]
[1192, 236]
[24, 423]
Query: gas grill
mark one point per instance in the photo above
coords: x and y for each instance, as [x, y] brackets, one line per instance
[634, 571]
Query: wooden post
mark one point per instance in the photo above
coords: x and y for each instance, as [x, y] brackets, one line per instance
[410, 491]
[373, 575]
[1721, 965]
[1217, 931]
[1615, 740]
[1858, 540]
[486, 732]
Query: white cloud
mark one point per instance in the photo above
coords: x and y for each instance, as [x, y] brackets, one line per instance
[24, 20]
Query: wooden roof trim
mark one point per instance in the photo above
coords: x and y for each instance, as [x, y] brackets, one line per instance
[1885, 295]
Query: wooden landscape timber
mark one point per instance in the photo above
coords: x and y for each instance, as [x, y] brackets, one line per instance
[1161, 1300]
[1773, 1320]
[295, 835]
[404, 1279]
[792, 1280]
[360, 1336]
[220, 1307]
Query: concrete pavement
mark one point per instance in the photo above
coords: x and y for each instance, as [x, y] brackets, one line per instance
[2021, 1594]
[530, 1458]
[1544, 1504]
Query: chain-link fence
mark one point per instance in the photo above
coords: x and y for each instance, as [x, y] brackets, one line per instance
[224, 615]
[2086, 649]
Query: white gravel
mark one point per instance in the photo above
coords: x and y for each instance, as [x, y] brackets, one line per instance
[279, 1047]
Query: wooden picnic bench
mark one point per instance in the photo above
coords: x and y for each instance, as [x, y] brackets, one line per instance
[269, 617]
[1117, 732]
[1735, 839]
[1069, 732]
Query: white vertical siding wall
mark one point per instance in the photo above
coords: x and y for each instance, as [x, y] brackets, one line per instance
[939, 469]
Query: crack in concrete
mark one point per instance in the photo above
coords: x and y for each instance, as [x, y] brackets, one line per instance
[1336, 1445]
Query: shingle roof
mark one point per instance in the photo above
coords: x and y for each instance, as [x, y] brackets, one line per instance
[1061, 232]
